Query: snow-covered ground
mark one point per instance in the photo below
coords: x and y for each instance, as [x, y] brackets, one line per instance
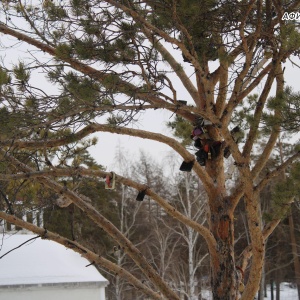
[286, 293]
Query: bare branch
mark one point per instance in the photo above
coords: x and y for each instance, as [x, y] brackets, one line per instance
[102, 222]
[122, 87]
[118, 130]
[126, 181]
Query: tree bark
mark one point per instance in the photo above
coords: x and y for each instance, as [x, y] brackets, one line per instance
[295, 253]
[292, 235]
[277, 285]
[261, 293]
[272, 289]
[224, 274]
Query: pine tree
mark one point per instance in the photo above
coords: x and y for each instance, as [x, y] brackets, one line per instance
[106, 61]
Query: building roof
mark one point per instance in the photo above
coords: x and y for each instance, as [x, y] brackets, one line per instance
[42, 262]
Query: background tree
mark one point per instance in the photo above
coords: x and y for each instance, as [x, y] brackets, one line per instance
[190, 200]
[109, 60]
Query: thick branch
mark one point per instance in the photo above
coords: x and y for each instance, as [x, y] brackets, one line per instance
[257, 240]
[188, 112]
[257, 114]
[223, 83]
[110, 229]
[254, 72]
[203, 231]
[207, 181]
[178, 69]
[91, 256]
[245, 256]
[102, 222]
[122, 86]
[140, 19]
[250, 87]
[275, 130]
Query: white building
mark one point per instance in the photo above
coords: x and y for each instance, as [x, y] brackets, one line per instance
[42, 269]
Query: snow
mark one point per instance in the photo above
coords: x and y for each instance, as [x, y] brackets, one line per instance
[42, 262]
[287, 292]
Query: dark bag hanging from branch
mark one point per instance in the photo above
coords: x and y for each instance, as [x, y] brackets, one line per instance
[198, 144]
[186, 166]
[201, 157]
[141, 195]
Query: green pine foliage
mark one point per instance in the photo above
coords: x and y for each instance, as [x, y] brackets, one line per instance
[288, 104]
[12, 122]
[79, 7]
[63, 51]
[54, 11]
[115, 120]
[290, 37]
[21, 74]
[107, 67]
[201, 18]
[181, 129]
[72, 222]
[283, 192]
[5, 78]
[83, 89]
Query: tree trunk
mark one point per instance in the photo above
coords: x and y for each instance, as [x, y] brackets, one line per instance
[261, 293]
[262, 281]
[295, 253]
[277, 286]
[191, 245]
[118, 290]
[192, 295]
[265, 289]
[293, 238]
[272, 289]
[224, 279]
[181, 290]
